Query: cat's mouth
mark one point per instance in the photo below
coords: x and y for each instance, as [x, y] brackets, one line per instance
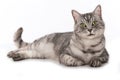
[91, 34]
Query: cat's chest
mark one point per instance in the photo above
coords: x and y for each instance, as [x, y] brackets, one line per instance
[92, 45]
[86, 52]
[84, 56]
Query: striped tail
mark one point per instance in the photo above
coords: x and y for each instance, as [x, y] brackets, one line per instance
[18, 40]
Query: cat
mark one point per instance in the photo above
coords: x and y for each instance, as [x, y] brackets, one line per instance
[84, 46]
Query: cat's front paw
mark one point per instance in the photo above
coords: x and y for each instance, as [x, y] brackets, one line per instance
[15, 56]
[95, 62]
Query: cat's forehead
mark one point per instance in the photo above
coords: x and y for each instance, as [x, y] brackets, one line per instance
[88, 17]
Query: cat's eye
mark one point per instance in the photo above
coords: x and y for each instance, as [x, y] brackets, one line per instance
[83, 25]
[94, 23]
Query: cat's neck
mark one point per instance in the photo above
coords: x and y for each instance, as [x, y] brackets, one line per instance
[76, 40]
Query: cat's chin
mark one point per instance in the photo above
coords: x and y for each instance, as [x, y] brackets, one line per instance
[91, 36]
[87, 36]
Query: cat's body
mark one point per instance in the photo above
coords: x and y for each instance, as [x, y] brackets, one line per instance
[84, 46]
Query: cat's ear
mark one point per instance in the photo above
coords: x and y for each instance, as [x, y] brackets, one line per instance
[98, 11]
[76, 15]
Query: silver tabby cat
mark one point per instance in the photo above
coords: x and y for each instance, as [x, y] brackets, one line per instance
[84, 46]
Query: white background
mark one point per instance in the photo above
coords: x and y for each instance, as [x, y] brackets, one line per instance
[41, 17]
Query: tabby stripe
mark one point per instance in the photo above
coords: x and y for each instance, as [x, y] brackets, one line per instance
[97, 43]
[92, 51]
[20, 43]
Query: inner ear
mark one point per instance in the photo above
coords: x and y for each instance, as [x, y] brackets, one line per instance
[98, 11]
[76, 15]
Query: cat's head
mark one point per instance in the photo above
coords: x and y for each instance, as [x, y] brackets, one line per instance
[89, 25]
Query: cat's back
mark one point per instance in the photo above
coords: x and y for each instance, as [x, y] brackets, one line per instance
[60, 41]
[59, 37]
[53, 44]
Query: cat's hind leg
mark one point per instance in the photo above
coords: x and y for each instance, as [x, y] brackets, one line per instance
[16, 56]
[23, 53]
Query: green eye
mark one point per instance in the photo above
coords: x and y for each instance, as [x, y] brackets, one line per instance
[83, 25]
[94, 23]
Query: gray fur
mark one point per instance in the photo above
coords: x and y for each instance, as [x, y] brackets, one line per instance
[18, 40]
[84, 46]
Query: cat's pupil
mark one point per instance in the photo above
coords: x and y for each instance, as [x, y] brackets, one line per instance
[94, 23]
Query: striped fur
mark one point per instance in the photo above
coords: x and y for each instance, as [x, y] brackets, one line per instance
[18, 40]
[84, 46]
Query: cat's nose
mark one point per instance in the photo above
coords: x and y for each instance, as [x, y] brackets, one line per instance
[89, 30]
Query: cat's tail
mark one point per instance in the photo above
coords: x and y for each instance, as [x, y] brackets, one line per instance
[18, 39]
